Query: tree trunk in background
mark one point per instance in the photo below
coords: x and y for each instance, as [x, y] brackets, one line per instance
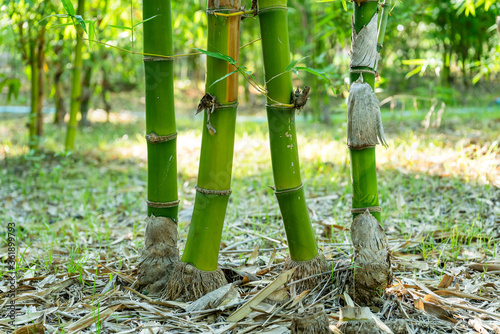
[198, 273]
[289, 191]
[41, 80]
[60, 107]
[32, 124]
[76, 87]
[86, 95]
[445, 74]
[160, 253]
[58, 86]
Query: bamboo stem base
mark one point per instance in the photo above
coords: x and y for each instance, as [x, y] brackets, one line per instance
[159, 254]
[190, 283]
[313, 321]
[305, 269]
[372, 272]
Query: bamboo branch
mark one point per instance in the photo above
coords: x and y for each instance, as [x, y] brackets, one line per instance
[383, 24]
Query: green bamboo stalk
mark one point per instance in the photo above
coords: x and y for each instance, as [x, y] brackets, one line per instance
[363, 170]
[41, 80]
[160, 108]
[76, 84]
[282, 135]
[33, 137]
[205, 231]
[197, 273]
[386, 8]
[364, 124]
[161, 136]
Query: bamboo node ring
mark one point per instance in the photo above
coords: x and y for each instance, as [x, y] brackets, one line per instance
[271, 8]
[284, 191]
[171, 204]
[360, 147]
[153, 138]
[157, 58]
[223, 11]
[369, 209]
[280, 106]
[213, 192]
[223, 106]
[362, 71]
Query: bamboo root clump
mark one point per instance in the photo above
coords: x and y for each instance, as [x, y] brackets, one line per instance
[159, 255]
[313, 321]
[306, 269]
[372, 270]
[190, 283]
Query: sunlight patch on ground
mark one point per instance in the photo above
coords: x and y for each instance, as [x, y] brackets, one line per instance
[473, 161]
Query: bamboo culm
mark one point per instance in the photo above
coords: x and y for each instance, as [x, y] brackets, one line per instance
[363, 164]
[282, 134]
[76, 84]
[215, 168]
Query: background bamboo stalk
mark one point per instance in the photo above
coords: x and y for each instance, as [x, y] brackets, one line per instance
[33, 138]
[76, 84]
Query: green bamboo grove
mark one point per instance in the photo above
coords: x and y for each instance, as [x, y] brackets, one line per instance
[160, 253]
[289, 189]
[364, 131]
[76, 84]
[198, 273]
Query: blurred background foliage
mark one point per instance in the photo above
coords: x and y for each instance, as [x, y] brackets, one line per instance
[446, 51]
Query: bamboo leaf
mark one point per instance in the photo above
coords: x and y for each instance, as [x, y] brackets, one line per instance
[68, 7]
[60, 25]
[119, 27]
[414, 61]
[146, 20]
[91, 33]
[293, 63]
[250, 74]
[316, 72]
[344, 3]
[14, 85]
[225, 76]
[243, 70]
[415, 71]
[217, 55]
[81, 22]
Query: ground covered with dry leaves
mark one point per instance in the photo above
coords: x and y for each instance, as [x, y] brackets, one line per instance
[80, 228]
